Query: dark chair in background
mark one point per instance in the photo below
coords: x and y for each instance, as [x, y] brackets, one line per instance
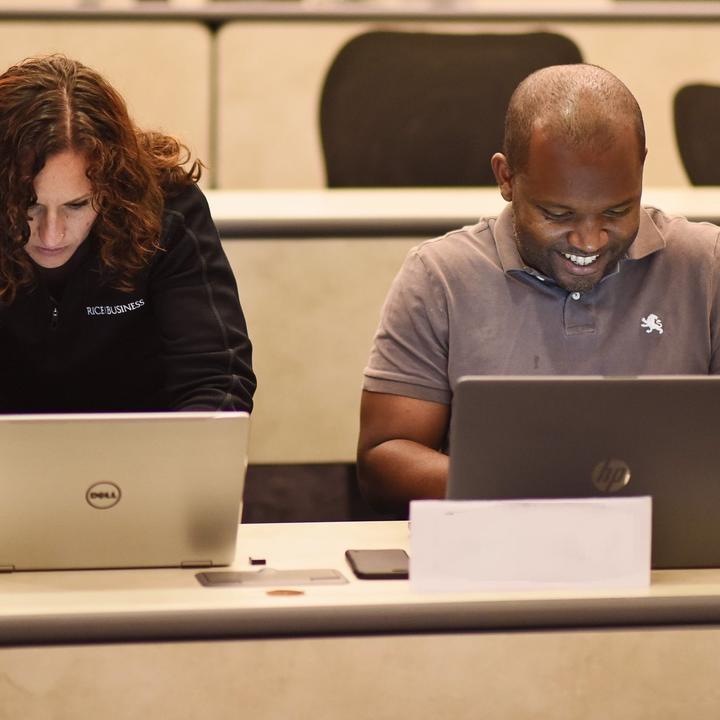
[697, 130]
[402, 109]
[304, 492]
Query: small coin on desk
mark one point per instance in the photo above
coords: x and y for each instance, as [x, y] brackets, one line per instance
[285, 592]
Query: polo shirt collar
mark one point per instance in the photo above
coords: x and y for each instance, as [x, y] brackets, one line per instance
[505, 241]
[648, 240]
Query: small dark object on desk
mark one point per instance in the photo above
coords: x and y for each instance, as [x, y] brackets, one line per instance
[385, 564]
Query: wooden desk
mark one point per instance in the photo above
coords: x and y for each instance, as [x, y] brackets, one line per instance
[365, 649]
[397, 212]
[219, 11]
[121, 605]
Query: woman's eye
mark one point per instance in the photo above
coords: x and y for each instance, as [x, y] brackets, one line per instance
[78, 205]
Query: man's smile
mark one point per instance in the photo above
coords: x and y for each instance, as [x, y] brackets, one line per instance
[581, 259]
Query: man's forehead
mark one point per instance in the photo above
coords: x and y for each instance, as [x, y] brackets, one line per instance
[583, 176]
[591, 149]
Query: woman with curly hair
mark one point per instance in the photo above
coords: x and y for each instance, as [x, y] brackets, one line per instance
[115, 293]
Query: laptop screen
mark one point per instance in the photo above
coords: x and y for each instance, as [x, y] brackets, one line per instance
[120, 490]
[574, 436]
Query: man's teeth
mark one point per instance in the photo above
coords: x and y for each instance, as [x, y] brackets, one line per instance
[581, 259]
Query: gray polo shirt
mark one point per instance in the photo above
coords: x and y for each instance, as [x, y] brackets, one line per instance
[465, 304]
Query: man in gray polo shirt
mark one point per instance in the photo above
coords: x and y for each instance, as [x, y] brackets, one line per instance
[573, 277]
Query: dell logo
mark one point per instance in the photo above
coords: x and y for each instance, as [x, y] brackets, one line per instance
[103, 495]
[611, 475]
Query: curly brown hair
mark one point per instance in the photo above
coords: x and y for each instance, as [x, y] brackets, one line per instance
[50, 104]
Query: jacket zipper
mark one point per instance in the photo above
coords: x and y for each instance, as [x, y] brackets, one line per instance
[54, 315]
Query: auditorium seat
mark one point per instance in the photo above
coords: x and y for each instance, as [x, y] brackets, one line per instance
[425, 109]
[697, 130]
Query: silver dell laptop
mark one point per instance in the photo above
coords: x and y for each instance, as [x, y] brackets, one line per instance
[120, 490]
[571, 436]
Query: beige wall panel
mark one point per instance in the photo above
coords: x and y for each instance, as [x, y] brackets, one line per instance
[654, 61]
[637, 674]
[270, 78]
[162, 69]
[312, 308]
[269, 81]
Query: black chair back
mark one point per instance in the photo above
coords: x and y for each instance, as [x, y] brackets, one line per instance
[697, 130]
[401, 109]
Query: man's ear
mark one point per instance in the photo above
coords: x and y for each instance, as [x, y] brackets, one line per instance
[503, 175]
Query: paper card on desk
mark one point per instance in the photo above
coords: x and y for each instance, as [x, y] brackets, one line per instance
[530, 544]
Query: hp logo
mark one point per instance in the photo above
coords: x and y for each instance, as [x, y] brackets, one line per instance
[611, 475]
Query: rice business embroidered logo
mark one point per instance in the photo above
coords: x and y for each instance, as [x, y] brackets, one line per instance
[114, 309]
[103, 495]
[652, 323]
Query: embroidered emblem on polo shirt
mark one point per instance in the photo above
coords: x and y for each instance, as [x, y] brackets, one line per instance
[652, 323]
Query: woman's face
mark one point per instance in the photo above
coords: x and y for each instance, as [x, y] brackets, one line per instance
[63, 214]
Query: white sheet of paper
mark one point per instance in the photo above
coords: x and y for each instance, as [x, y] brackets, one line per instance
[530, 544]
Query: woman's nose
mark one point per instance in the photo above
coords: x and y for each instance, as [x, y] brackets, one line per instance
[51, 230]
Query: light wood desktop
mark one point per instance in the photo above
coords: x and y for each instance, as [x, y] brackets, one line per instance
[87, 605]
[97, 643]
[397, 211]
[218, 11]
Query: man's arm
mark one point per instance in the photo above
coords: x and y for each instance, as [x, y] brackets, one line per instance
[399, 457]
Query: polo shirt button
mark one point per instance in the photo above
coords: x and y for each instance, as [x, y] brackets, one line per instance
[575, 296]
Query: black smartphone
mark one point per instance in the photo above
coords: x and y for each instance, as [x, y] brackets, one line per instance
[387, 564]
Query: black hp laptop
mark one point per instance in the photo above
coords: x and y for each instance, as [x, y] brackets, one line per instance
[573, 436]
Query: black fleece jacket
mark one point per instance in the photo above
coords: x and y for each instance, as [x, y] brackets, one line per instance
[178, 341]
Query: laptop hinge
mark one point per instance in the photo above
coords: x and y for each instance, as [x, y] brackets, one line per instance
[6, 568]
[196, 563]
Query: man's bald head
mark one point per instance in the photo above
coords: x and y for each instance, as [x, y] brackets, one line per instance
[581, 104]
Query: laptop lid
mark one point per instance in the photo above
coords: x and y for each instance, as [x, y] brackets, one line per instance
[571, 436]
[121, 490]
